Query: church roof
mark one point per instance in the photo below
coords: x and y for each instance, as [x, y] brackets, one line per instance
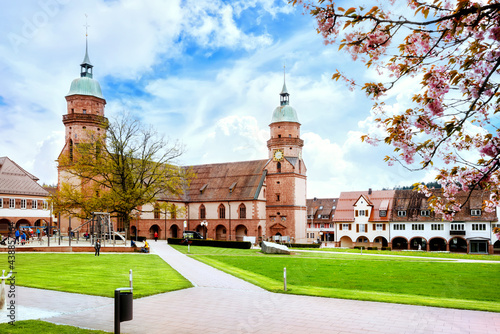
[284, 113]
[85, 86]
[231, 181]
[15, 180]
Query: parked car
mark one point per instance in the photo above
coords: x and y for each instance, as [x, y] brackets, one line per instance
[191, 235]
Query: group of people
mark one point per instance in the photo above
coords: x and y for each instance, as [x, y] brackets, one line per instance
[25, 236]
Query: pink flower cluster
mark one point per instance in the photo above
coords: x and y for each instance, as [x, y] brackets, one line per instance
[455, 55]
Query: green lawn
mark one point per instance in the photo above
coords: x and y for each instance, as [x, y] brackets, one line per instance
[387, 279]
[37, 326]
[87, 274]
[408, 253]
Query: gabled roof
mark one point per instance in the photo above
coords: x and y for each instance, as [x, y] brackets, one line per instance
[413, 202]
[345, 207]
[321, 206]
[231, 181]
[15, 180]
[365, 198]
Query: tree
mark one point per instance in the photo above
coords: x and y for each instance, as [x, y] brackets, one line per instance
[453, 48]
[130, 167]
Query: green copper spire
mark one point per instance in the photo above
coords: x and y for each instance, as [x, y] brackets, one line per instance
[86, 85]
[285, 112]
[86, 65]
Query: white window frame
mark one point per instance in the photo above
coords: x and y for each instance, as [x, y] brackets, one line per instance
[331, 225]
[23, 203]
[417, 227]
[457, 227]
[45, 205]
[12, 203]
[437, 227]
[361, 213]
[362, 228]
[401, 213]
[399, 227]
[322, 226]
[379, 227]
[345, 227]
[475, 212]
[479, 227]
[34, 204]
[425, 213]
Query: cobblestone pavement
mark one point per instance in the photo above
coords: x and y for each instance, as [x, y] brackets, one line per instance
[220, 303]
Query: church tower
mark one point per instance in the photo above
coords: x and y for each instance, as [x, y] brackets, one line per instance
[84, 121]
[286, 174]
[85, 108]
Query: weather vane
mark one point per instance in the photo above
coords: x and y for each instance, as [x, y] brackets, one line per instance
[86, 25]
[284, 70]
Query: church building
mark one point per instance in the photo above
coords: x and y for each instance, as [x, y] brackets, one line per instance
[265, 199]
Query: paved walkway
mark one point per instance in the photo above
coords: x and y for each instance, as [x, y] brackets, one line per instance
[220, 303]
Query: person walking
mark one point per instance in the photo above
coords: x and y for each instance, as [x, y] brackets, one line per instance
[97, 247]
[156, 236]
[17, 235]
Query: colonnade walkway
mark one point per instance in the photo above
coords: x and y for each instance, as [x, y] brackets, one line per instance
[220, 303]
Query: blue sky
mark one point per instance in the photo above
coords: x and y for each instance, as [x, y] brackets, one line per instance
[206, 73]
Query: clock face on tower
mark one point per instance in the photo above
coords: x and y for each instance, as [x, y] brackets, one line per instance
[278, 155]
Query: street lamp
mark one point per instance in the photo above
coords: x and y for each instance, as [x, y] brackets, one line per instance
[205, 225]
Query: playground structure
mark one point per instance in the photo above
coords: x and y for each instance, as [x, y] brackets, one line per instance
[100, 227]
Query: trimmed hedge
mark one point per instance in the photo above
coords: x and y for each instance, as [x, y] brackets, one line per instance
[212, 243]
[290, 245]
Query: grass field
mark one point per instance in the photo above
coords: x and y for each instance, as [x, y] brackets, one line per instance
[37, 326]
[457, 256]
[87, 274]
[388, 279]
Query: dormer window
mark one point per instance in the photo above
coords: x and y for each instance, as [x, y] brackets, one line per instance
[425, 213]
[84, 111]
[401, 213]
[475, 212]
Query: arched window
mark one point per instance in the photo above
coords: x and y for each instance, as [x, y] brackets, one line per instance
[222, 211]
[203, 212]
[278, 166]
[243, 211]
[173, 212]
[156, 211]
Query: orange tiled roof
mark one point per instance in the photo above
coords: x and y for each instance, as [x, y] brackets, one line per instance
[345, 209]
